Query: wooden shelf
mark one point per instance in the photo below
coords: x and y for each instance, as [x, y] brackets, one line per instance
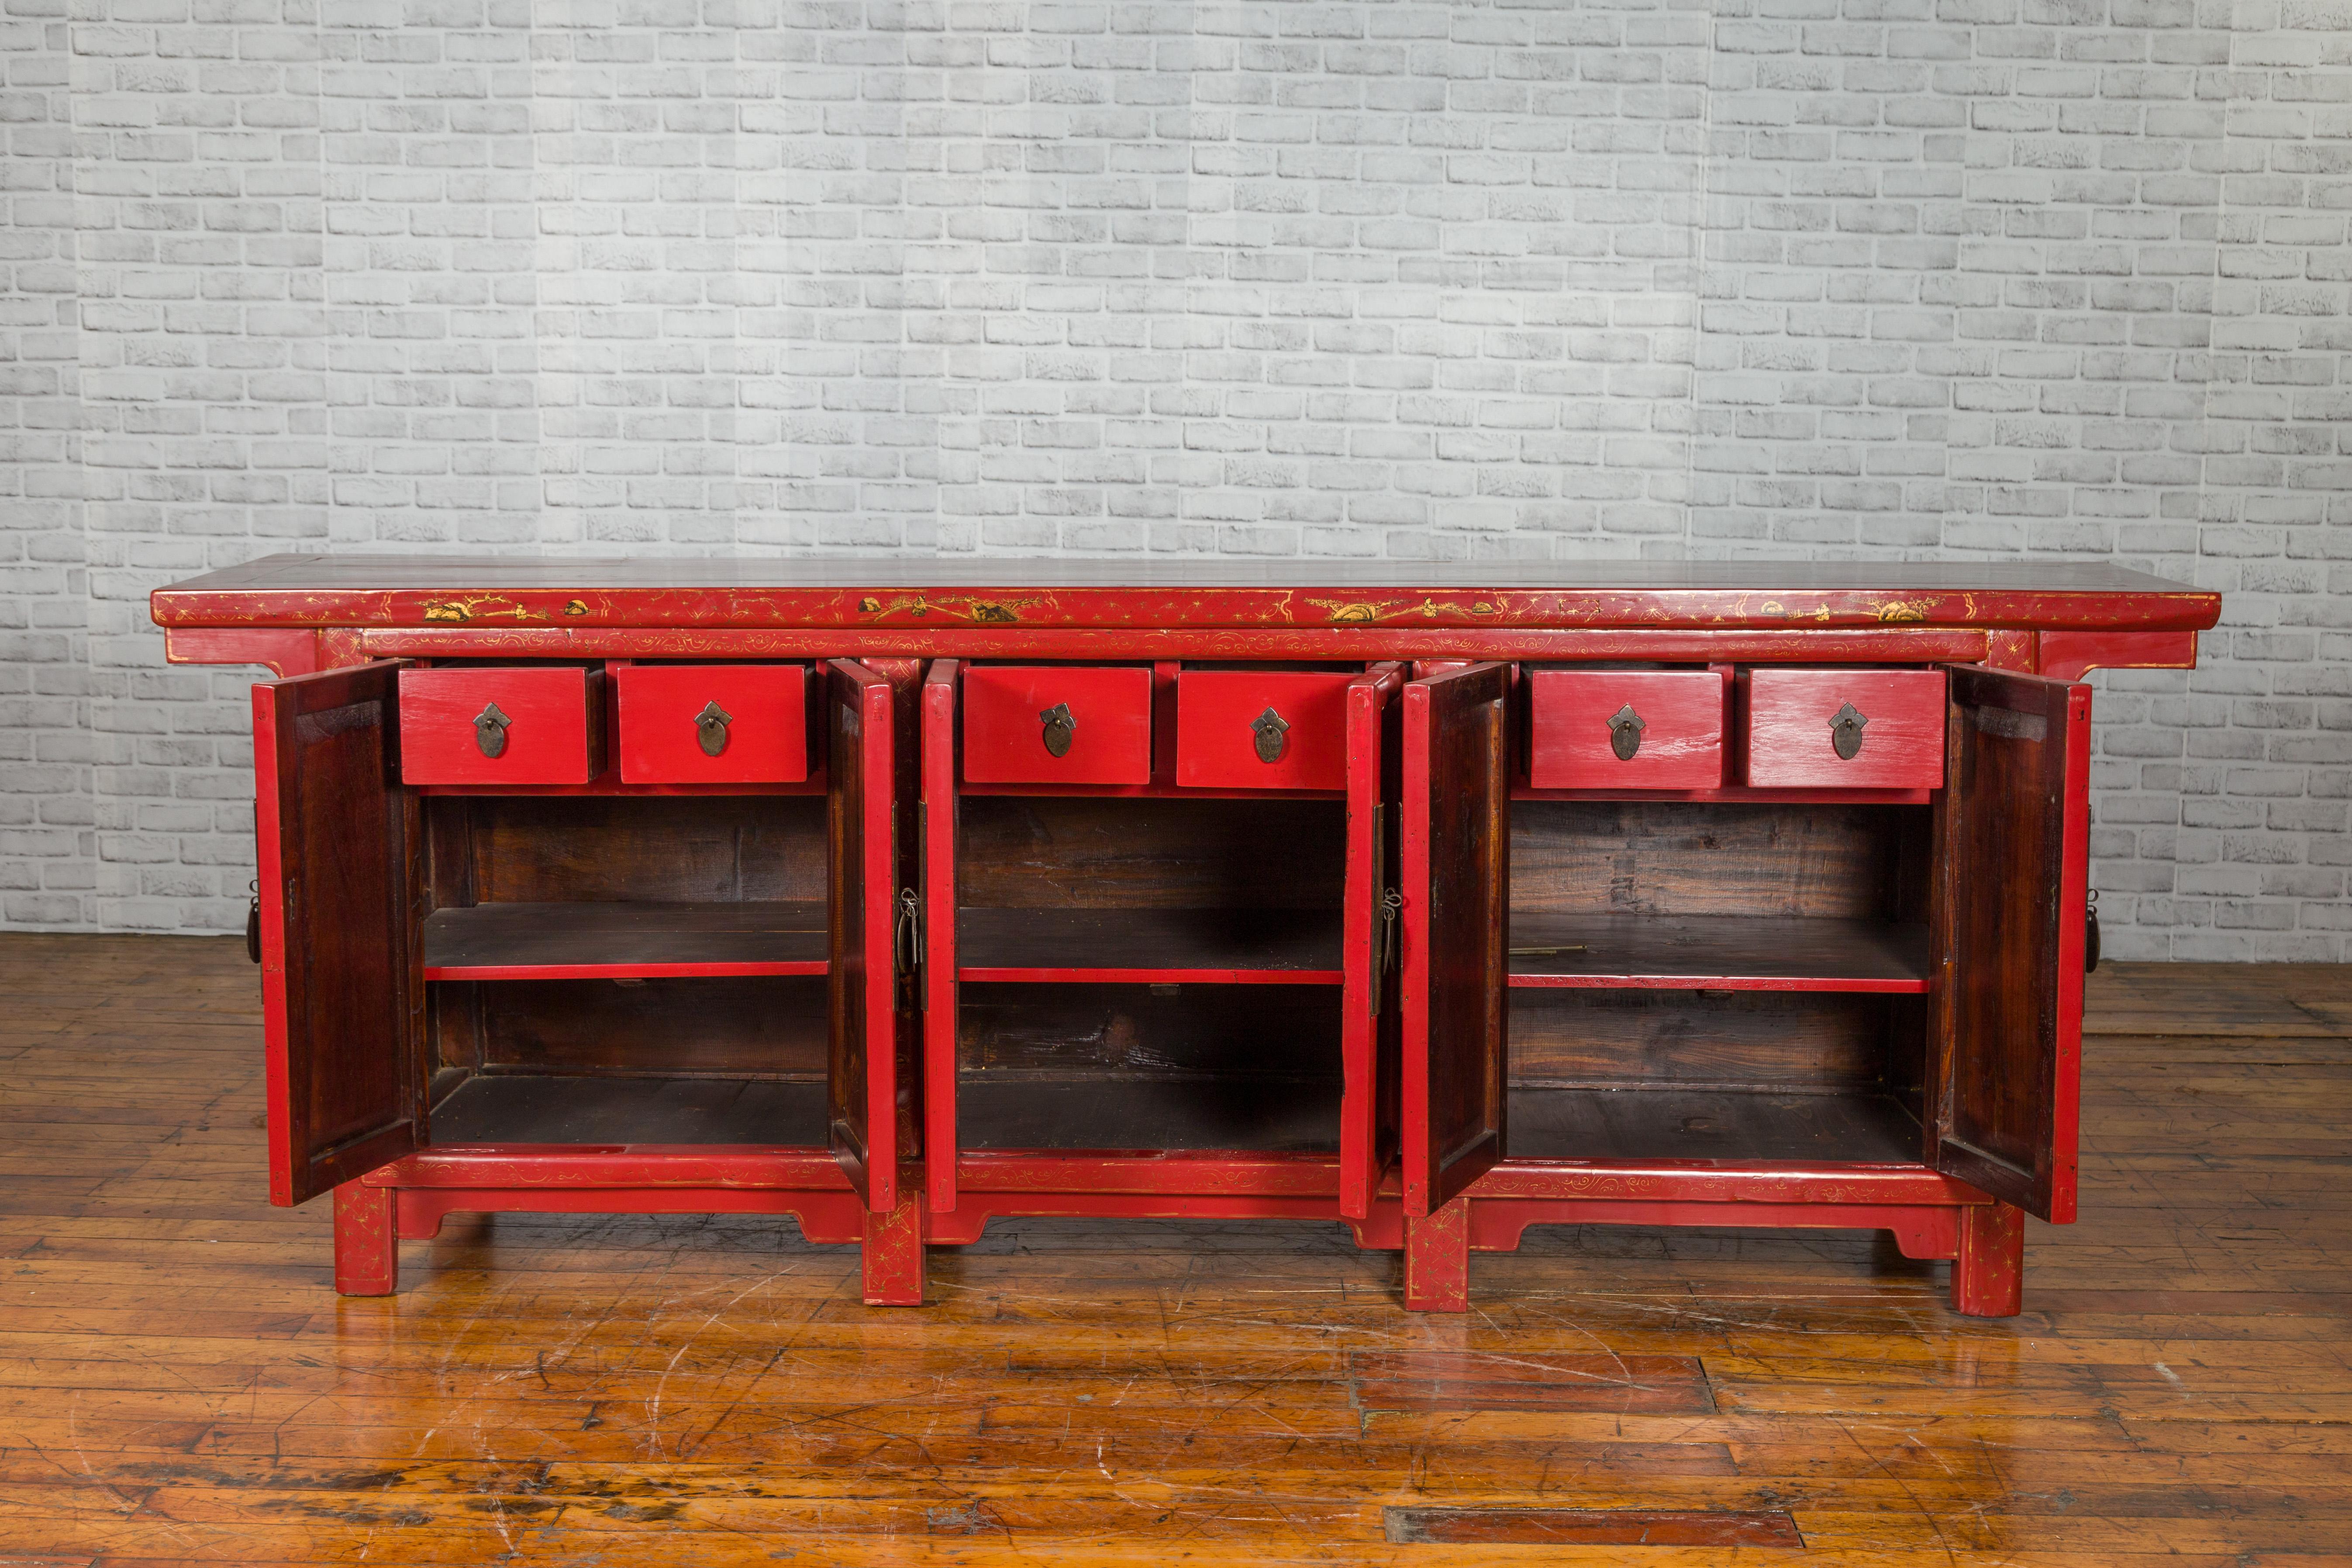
[622, 941]
[1862, 1127]
[535, 1108]
[1716, 953]
[608, 783]
[1121, 946]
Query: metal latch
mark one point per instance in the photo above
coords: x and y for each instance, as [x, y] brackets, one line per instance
[1625, 728]
[1845, 731]
[1059, 728]
[490, 731]
[711, 727]
[1273, 735]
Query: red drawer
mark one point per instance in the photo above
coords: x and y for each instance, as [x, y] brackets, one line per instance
[1893, 738]
[1262, 728]
[501, 726]
[713, 723]
[1013, 732]
[1626, 729]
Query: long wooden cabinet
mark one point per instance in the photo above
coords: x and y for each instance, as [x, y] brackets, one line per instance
[899, 896]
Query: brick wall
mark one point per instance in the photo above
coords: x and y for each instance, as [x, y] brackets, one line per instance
[1788, 278]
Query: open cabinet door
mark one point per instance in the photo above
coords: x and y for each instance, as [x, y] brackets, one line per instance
[2012, 838]
[938, 979]
[862, 853]
[1455, 855]
[341, 977]
[1368, 999]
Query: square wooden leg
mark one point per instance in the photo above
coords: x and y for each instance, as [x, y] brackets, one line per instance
[1989, 1276]
[892, 1254]
[367, 1242]
[1437, 1259]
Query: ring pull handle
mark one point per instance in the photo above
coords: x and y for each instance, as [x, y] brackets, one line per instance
[711, 727]
[1625, 728]
[906, 935]
[1845, 731]
[1271, 732]
[490, 731]
[1059, 728]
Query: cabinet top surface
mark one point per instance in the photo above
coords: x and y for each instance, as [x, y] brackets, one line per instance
[919, 591]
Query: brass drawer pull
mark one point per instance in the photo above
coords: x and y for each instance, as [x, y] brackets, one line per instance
[1059, 728]
[1625, 728]
[490, 731]
[1845, 731]
[711, 727]
[1272, 735]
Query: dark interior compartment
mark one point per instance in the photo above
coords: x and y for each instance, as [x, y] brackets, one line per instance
[1757, 891]
[606, 1061]
[1148, 1066]
[1080, 882]
[536, 1108]
[1046, 852]
[1721, 1075]
[697, 849]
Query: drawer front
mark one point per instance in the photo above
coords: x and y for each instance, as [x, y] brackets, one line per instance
[1008, 737]
[712, 723]
[501, 726]
[1796, 719]
[1252, 728]
[1626, 729]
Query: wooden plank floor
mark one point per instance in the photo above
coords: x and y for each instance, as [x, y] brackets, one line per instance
[178, 1384]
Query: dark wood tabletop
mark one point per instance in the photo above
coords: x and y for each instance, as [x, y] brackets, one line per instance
[1125, 591]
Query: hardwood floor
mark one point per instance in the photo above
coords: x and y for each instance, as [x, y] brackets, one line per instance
[178, 1384]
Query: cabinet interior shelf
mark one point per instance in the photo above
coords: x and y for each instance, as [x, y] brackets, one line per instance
[622, 941]
[1716, 953]
[1111, 946]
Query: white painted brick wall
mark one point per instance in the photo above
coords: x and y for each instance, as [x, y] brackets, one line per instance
[1763, 277]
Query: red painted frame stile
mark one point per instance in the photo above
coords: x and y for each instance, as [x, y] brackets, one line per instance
[1423, 1162]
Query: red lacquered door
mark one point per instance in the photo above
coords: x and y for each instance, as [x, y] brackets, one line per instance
[2013, 838]
[939, 978]
[1373, 735]
[870, 1097]
[342, 992]
[1454, 878]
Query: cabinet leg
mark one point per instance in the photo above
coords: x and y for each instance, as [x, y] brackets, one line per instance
[367, 1241]
[1989, 1276]
[892, 1254]
[1437, 1259]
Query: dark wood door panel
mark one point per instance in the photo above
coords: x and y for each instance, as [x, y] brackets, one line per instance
[337, 883]
[1456, 882]
[2013, 838]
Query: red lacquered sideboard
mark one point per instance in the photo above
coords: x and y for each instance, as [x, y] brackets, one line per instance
[900, 895]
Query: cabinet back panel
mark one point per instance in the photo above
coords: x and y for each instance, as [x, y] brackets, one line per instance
[1690, 857]
[1776, 1039]
[1043, 852]
[1133, 1031]
[591, 848]
[749, 1027]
